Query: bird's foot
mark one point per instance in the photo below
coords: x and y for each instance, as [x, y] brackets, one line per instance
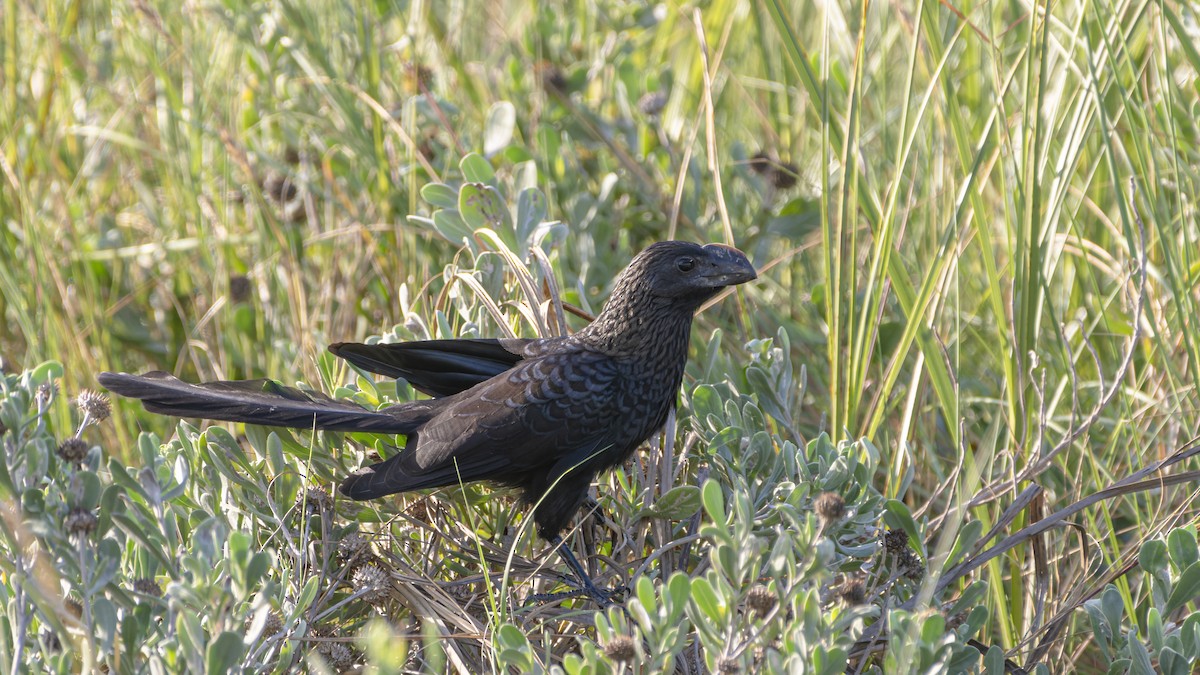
[584, 586]
[604, 597]
[607, 597]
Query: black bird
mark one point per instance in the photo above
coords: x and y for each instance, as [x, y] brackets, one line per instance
[545, 415]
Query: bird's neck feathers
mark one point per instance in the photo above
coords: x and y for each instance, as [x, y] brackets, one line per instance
[639, 324]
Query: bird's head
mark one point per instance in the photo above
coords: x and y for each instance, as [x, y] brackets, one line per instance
[686, 272]
[653, 301]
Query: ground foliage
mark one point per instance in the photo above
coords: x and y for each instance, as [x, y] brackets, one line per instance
[950, 425]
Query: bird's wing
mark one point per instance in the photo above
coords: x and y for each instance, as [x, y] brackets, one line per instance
[440, 367]
[559, 409]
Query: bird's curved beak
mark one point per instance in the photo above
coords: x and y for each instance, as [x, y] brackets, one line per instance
[727, 266]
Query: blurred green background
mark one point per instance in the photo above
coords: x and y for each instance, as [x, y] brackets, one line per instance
[976, 224]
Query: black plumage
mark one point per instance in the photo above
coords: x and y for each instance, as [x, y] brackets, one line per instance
[545, 415]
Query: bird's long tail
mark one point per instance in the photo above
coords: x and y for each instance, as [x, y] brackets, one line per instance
[263, 402]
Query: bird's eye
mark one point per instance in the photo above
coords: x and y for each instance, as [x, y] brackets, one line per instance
[685, 264]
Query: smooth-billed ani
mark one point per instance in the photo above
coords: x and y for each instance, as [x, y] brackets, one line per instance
[545, 414]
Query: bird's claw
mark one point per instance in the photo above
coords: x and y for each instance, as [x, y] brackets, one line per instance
[607, 597]
[604, 597]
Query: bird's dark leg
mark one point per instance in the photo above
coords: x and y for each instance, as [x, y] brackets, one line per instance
[601, 596]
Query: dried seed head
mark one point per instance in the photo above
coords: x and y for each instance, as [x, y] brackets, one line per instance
[554, 80]
[80, 521]
[279, 188]
[830, 507]
[273, 625]
[761, 600]
[339, 655]
[419, 511]
[73, 450]
[420, 75]
[911, 566]
[353, 546]
[784, 175]
[853, 591]
[46, 392]
[895, 541]
[461, 592]
[239, 287]
[94, 405]
[728, 666]
[73, 607]
[781, 174]
[372, 583]
[622, 648]
[148, 586]
[315, 500]
[760, 163]
[652, 103]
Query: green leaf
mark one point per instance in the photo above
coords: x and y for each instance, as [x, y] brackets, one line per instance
[679, 503]
[768, 398]
[181, 471]
[679, 589]
[498, 130]
[706, 600]
[1153, 556]
[6, 483]
[257, 569]
[108, 561]
[89, 490]
[240, 560]
[1182, 545]
[481, 206]
[440, 195]
[1139, 657]
[275, 454]
[120, 476]
[993, 661]
[33, 502]
[476, 169]
[1154, 628]
[972, 596]
[1113, 607]
[933, 628]
[245, 320]
[151, 544]
[104, 618]
[706, 403]
[1186, 588]
[714, 500]
[223, 653]
[897, 516]
[645, 595]
[511, 637]
[307, 595]
[132, 631]
[835, 660]
[450, 225]
[1171, 662]
[967, 536]
[531, 212]
[44, 372]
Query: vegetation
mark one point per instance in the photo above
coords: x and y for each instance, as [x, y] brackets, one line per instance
[950, 425]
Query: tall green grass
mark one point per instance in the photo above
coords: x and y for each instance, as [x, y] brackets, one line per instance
[987, 266]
